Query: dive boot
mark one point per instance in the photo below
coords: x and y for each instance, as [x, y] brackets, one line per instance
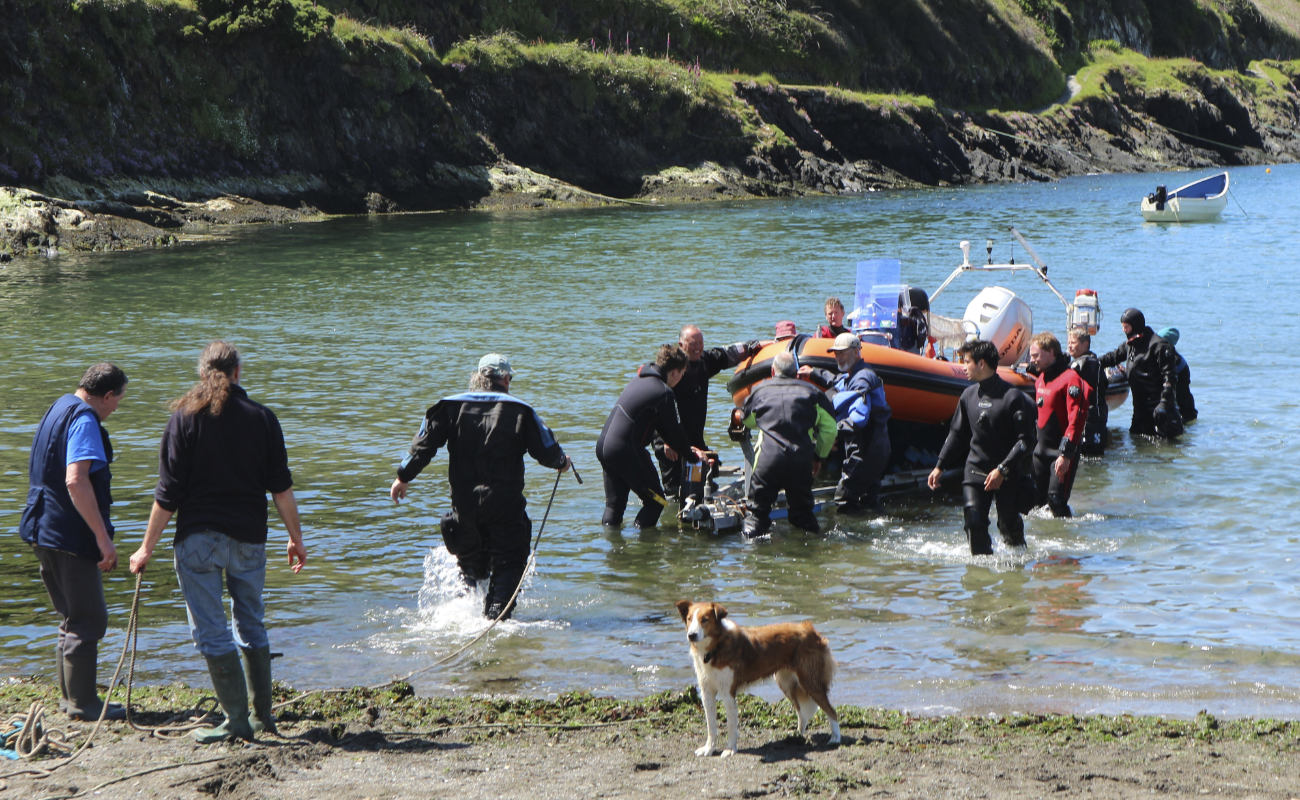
[79, 678]
[232, 694]
[257, 670]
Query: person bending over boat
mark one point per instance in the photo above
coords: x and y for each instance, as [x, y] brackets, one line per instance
[1062, 399]
[646, 406]
[1183, 386]
[1151, 365]
[862, 416]
[994, 426]
[692, 393]
[1084, 362]
[486, 431]
[796, 425]
[834, 320]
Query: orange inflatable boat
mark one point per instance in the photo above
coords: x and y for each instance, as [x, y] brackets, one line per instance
[919, 388]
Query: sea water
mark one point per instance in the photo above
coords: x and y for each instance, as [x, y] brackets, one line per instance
[1172, 590]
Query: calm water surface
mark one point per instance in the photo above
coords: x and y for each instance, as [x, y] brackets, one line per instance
[1174, 590]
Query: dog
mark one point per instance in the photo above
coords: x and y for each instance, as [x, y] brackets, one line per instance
[728, 657]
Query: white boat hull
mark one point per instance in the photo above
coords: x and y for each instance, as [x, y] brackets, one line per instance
[1184, 209]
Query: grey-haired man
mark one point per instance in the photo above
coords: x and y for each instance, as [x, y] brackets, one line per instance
[487, 431]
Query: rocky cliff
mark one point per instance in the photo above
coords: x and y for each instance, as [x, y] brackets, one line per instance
[125, 117]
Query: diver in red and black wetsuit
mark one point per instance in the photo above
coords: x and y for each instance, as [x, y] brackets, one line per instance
[1062, 399]
[834, 319]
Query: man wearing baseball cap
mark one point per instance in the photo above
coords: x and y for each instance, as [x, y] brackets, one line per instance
[862, 416]
[485, 430]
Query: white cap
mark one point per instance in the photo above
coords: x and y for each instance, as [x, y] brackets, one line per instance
[846, 341]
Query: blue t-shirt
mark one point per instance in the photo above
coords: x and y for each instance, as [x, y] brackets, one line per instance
[85, 443]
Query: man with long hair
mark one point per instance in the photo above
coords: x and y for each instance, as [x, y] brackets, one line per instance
[221, 454]
[66, 523]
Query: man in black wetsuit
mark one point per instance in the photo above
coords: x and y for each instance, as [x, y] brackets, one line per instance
[486, 431]
[1151, 365]
[998, 423]
[646, 406]
[1084, 362]
[796, 425]
[692, 393]
[1183, 386]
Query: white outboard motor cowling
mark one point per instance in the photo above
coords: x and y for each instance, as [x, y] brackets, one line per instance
[1003, 319]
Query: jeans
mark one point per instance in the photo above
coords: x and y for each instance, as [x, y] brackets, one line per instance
[201, 560]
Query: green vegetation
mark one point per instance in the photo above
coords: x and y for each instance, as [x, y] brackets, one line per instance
[399, 708]
[412, 102]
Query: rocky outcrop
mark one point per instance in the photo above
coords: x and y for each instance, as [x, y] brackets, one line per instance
[125, 119]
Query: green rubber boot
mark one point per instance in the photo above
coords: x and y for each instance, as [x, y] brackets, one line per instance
[257, 670]
[232, 694]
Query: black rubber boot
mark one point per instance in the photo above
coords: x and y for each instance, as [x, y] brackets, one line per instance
[63, 683]
[79, 678]
[756, 525]
[232, 694]
[257, 672]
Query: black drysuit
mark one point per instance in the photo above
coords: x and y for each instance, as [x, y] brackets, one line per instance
[796, 425]
[996, 425]
[692, 393]
[1152, 365]
[487, 530]
[646, 406]
[1095, 435]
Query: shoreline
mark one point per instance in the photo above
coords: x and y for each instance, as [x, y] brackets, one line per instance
[388, 743]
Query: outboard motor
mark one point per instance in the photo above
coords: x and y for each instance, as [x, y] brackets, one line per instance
[913, 319]
[1003, 319]
[1158, 197]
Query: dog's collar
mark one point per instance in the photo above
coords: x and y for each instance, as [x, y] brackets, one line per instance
[708, 655]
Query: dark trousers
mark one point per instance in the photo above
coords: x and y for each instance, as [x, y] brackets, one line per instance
[796, 479]
[631, 472]
[976, 503]
[76, 589]
[490, 543]
[866, 454]
[1052, 491]
[670, 472]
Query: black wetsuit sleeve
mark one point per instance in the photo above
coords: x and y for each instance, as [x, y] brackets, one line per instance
[542, 444]
[958, 437]
[669, 424]
[432, 435]
[822, 378]
[1024, 419]
[1166, 358]
[1115, 357]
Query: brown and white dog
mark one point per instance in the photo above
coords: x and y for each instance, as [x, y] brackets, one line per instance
[728, 657]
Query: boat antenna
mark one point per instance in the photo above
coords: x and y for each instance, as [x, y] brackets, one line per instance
[1025, 244]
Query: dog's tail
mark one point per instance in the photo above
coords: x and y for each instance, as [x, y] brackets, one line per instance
[826, 665]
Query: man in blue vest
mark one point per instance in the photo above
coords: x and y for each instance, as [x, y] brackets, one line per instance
[862, 415]
[66, 522]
